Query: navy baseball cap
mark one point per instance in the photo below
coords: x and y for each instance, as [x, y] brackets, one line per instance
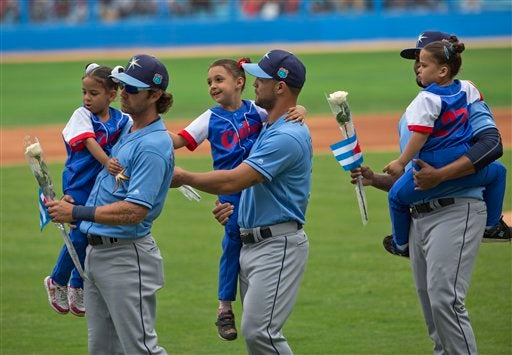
[144, 71]
[423, 39]
[279, 65]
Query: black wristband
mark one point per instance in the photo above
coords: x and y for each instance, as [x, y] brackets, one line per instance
[83, 213]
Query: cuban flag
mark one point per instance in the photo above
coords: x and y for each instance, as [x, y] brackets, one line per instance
[348, 153]
[44, 217]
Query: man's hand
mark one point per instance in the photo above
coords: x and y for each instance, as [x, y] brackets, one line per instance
[222, 211]
[60, 210]
[427, 177]
[363, 171]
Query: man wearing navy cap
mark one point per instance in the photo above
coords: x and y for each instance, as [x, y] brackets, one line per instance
[446, 231]
[275, 181]
[123, 265]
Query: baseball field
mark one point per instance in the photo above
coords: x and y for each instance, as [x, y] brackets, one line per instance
[355, 298]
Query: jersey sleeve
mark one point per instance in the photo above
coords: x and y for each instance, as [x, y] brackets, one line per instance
[78, 129]
[480, 117]
[197, 131]
[422, 112]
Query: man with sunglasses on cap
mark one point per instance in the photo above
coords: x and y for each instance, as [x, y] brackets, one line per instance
[275, 181]
[123, 266]
[446, 229]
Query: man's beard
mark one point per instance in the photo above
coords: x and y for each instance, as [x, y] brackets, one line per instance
[267, 104]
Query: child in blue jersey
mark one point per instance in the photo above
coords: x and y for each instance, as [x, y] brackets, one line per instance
[231, 128]
[89, 136]
[441, 133]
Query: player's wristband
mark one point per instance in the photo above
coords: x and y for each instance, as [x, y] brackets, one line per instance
[83, 213]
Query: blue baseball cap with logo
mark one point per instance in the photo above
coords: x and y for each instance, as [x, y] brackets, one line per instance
[279, 65]
[144, 71]
[423, 39]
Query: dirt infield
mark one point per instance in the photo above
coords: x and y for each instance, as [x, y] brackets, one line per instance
[375, 133]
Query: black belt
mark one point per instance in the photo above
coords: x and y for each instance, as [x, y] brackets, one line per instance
[99, 240]
[432, 205]
[266, 232]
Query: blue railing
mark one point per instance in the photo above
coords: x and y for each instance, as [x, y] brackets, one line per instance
[73, 24]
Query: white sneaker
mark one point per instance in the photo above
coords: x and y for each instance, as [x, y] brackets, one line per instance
[76, 301]
[57, 295]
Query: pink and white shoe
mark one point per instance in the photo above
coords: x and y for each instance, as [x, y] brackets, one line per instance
[57, 295]
[76, 301]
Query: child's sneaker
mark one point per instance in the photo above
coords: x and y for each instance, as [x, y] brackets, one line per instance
[226, 325]
[499, 233]
[391, 247]
[76, 301]
[57, 295]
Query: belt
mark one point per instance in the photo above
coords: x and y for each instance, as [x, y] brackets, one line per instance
[432, 205]
[257, 234]
[100, 240]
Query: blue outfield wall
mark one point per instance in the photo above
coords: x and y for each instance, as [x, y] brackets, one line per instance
[162, 32]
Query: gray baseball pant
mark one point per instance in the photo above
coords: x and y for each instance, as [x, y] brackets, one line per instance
[270, 274]
[443, 248]
[120, 297]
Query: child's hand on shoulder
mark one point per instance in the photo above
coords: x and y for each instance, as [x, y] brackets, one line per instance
[296, 114]
[113, 166]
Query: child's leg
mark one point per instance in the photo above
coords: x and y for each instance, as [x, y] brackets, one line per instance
[229, 263]
[399, 208]
[80, 243]
[62, 270]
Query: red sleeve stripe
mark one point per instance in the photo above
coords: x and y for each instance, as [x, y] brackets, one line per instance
[421, 129]
[77, 143]
[192, 145]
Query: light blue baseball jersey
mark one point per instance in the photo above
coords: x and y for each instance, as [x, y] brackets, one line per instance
[480, 118]
[283, 155]
[81, 167]
[147, 157]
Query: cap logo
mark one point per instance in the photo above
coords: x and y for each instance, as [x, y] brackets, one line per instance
[282, 73]
[157, 79]
[133, 62]
[421, 37]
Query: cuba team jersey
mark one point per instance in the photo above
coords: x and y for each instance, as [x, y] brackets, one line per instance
[442, 112]
[147, 157]
[81, 167]
[283, 155]
[231, 134]
[480, 118]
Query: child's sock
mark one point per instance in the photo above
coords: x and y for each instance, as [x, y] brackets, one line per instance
[224, 306]
[402, 247]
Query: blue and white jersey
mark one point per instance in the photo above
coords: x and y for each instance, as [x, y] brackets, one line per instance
[231, 135]
[81, 167]
[147, 157]
[442, 112]
[283, 155]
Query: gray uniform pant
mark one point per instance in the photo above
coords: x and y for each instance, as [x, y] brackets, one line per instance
[270, 274]
[443, 248]
[120, 297]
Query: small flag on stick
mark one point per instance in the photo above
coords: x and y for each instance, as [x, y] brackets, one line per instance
[348, 153]
[44, 217]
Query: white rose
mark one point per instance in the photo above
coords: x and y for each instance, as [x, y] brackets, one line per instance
[338, 97]
[34, 150]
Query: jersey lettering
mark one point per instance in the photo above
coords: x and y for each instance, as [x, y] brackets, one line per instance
[230, 138]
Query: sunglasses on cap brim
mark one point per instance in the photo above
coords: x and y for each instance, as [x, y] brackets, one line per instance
[132, 89]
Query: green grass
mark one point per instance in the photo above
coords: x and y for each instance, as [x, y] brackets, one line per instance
[47, 93]
[355, 298]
